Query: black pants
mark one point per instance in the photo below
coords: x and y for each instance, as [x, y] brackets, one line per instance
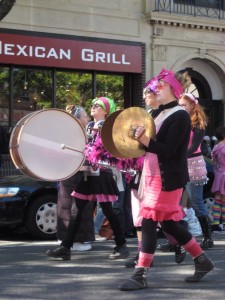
[149, 233]
[75, 222]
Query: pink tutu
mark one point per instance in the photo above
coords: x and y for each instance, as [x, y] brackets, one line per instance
[218, 157]
[95, 197]
[157, 204]
[160, 205]
[149, 213]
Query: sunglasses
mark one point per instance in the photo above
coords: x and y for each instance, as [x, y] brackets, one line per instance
[95, 106]
[161, 85]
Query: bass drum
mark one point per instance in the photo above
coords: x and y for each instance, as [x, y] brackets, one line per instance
[48, 145]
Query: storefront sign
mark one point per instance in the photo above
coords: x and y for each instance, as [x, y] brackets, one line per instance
[68, 53]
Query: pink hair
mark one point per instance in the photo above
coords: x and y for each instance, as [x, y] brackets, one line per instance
[106, 103]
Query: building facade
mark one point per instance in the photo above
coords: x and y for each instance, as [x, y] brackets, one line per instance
[43, 42]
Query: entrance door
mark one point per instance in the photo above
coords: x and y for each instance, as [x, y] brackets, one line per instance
[214, 109]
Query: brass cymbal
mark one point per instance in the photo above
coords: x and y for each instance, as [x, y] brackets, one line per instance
[106, 135]
[124, 129]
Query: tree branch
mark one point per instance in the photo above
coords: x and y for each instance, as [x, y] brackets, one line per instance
[5, 7]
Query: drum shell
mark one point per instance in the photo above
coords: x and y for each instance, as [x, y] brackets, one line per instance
[13, 147]
[36, 145]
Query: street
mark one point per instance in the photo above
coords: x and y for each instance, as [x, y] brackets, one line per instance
[27, 273]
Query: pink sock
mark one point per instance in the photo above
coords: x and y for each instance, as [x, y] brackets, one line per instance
[145, 260]
[193, 248]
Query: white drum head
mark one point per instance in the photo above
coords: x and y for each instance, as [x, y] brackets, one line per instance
[42, 144]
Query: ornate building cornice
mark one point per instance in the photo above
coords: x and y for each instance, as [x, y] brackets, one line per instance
[185, 21]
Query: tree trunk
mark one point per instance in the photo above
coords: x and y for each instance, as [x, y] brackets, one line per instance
[5, 7]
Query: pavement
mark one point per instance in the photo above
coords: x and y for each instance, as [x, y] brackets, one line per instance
[27, 273]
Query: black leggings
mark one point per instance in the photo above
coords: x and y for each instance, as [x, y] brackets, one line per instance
[149, 233]
[75, 222]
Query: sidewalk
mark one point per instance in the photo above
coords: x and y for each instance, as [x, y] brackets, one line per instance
[27, 273]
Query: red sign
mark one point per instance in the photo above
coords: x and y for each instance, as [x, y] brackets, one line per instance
[72, 54]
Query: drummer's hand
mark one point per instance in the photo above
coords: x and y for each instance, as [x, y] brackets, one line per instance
[141, 136]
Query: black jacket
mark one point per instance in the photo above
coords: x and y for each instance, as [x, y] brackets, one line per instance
[198, 135]
[171, 145]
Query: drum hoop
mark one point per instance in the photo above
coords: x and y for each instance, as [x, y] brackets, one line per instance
[15, 151]
[14, 141]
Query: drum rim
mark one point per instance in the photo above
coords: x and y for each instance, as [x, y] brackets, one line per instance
[15, 151]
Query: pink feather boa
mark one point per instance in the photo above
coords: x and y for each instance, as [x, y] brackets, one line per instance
[95, 152]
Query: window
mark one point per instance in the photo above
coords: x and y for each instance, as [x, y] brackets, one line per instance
[218, 4]
[4, 96]
[32, 90]
[73, 88]
[111, 86]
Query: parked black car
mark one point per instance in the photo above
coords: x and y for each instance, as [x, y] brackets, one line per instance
[29, 202]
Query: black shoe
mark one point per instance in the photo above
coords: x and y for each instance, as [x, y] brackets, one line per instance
[60, 252]
[203, 265]
[180, 254]
[120, 252]
[131, 262]
[167, 247]
[207, 243]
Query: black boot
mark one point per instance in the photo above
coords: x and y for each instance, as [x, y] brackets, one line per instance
[137, 281]
[207, 241]
[120, 252]
[203, 265]
[60, 252]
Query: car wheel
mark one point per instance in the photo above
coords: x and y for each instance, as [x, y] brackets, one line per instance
[41, 217]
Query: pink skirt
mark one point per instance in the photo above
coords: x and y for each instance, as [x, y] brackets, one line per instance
[218, 185]
[95, 197]
[161, 205]
[102, 188]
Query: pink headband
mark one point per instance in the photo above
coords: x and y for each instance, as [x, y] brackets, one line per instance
[106, 103]
[168, 76]
[151, 85]
[191, 97]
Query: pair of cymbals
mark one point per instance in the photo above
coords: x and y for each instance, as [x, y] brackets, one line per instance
[118, 132]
